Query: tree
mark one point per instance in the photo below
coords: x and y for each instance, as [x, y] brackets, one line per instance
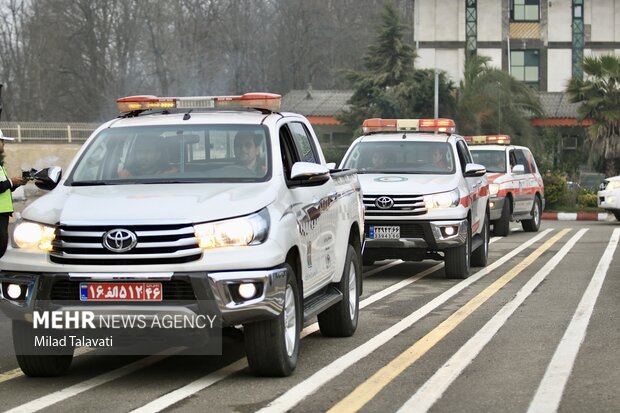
[491, 101]
[391, 87]
[599, 95]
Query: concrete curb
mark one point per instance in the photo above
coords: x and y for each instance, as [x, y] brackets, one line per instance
[577, 216]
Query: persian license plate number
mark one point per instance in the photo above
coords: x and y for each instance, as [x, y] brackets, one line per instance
[121, 292]
[384, 232]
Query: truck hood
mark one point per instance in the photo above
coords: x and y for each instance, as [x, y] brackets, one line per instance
[156, 203]
[404, 184]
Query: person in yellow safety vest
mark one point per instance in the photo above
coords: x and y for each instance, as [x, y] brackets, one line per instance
[6, 200]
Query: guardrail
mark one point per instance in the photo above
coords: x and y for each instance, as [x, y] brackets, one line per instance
[48, 132]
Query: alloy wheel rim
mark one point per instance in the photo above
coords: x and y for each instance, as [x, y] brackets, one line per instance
[352, 291]
[290, 321]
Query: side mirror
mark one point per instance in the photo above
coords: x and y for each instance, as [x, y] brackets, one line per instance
[518, 169]
[473, 169]
[48, 178]
[307, 173]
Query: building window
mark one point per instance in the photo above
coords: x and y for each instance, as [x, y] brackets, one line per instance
[525, 10]
[578, 39]
[524, 66]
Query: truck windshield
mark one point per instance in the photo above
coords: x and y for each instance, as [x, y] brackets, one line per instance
[493, 160]
[418, 157]
[172, 154]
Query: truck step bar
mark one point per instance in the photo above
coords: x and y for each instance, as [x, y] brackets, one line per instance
[321, 301]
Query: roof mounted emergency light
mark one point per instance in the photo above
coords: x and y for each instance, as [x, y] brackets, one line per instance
[488, 140]
[263, 101]
[409, 125]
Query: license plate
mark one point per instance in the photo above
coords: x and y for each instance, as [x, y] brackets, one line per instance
[121, 292]
[381, 232]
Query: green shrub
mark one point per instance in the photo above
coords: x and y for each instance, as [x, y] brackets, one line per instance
[333, 153]
[586, 198]
[556, 191]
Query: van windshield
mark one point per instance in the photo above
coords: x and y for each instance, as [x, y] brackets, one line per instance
[492, 160]
[172, 154]
[415, 157]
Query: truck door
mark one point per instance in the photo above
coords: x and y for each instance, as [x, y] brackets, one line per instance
[474, 186]
[524, 199]
[316, 216]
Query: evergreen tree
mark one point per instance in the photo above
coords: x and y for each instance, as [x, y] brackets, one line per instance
[391, 87]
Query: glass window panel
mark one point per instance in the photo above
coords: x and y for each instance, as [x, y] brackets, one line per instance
[531, 58]
[519, 13]
[535, 2]
[531, 12]
[531, 74]
[519, 2]
[518, 73]
[516, 58]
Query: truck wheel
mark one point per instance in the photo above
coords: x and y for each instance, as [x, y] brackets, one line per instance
[532, 225]
[33, 365]
[340, 320]
[617, 215]
[501, 226]
[480, 256]
[458, 258]
[272, 346]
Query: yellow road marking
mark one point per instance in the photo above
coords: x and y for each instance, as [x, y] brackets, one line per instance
[366, 391]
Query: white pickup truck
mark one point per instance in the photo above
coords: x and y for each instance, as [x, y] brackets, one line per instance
[232, 205]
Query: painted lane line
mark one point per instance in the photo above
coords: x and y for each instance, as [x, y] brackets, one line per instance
[300, 391]
[15, 373]
[366, 391]
[194, 387]
[383, 267]
[60, 395]
[551, 388]
[431, 391]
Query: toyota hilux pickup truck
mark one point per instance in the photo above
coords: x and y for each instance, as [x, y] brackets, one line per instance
[425, 198]
[220, 198]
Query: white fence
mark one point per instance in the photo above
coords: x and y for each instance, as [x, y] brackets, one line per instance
[48, 132]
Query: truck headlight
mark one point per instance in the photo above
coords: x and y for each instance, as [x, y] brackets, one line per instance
[248, 230]
[442, 200]
[493, 189]
[33, 236]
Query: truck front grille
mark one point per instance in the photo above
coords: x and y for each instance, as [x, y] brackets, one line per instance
[156, 244]
[394, 205]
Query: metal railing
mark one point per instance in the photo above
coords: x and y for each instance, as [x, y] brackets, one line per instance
[48, 132]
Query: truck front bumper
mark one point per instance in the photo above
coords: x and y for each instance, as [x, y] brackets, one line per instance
[496, 204]
[426, 235]
[185, 293]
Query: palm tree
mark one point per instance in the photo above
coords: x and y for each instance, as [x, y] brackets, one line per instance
[491, 101]
[599, 95]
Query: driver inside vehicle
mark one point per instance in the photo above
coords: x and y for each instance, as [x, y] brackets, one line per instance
[247, 148]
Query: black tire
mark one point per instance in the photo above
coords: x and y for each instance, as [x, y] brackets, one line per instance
[480, 256]
[501, 226]
[458, 258]
[532, 225]
[269, 351]
[34, 365]
[340, 320]
[617, 215]
[367, 259]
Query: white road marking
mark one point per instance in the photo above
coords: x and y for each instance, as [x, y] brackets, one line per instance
[194, 387]
[300, 391]
[431, 391]
[549, 394]
[63, 394]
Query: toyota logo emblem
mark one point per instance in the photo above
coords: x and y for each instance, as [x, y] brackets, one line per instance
[384, 202]
[119, 240]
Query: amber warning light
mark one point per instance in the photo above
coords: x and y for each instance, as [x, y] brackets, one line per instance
[409, 125]
[488, 140]
[262, 101]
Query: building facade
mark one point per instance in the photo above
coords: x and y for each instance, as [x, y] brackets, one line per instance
[540, 42]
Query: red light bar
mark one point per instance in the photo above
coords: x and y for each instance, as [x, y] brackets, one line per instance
[488, 140]
[263, 101]
[408, 125]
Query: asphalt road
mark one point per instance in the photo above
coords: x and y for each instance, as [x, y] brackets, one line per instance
[536, 331]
